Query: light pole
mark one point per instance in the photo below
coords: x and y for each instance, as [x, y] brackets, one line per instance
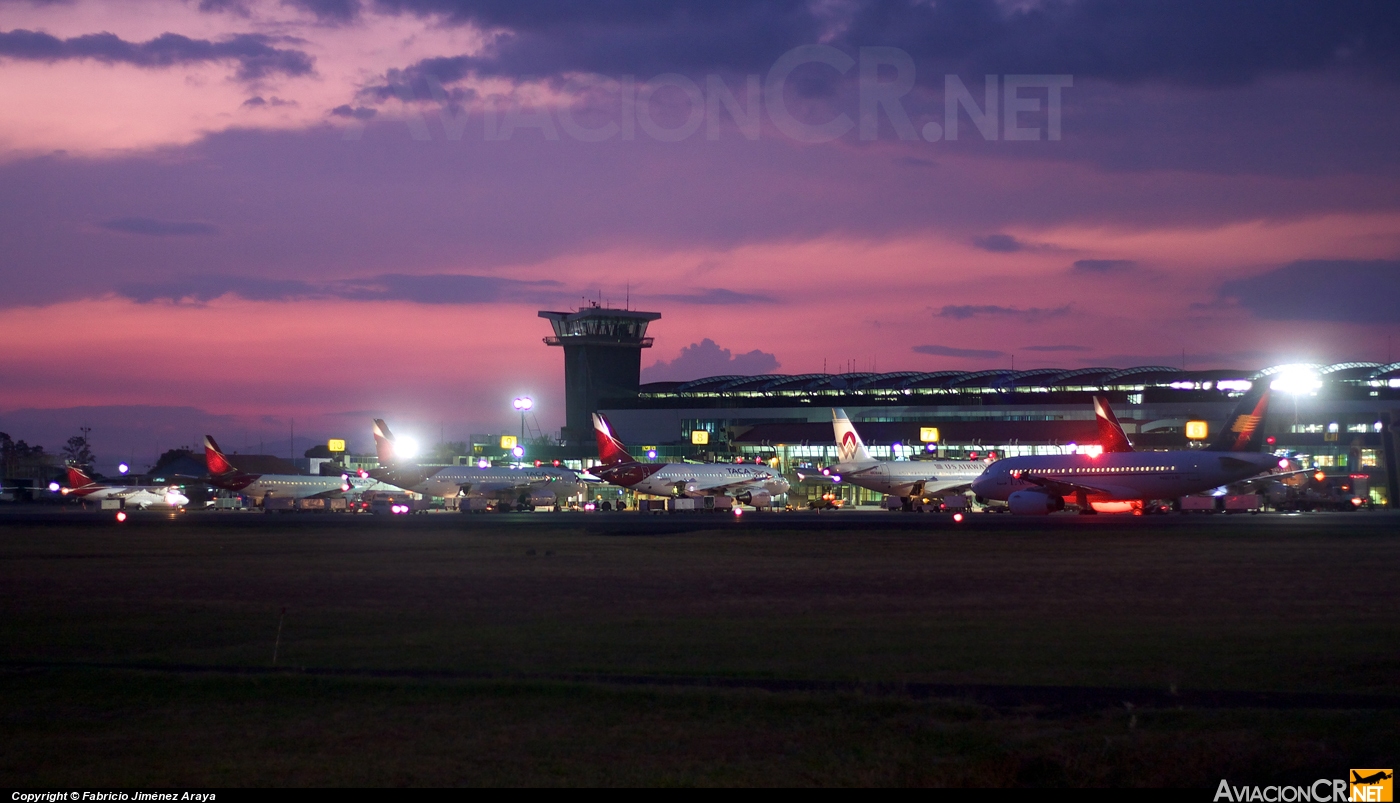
[523, 404]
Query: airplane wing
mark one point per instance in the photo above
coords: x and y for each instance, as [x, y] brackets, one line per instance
[331, 493]
[738, 485]
[1277, 475]
[493, 487]
[831, 474]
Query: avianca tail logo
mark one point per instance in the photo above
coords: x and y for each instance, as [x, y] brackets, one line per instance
[1245, 424]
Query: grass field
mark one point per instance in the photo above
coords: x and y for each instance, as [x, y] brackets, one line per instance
[787, 650]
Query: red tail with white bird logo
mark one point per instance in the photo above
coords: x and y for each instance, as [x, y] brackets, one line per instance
[1111, 435]
[610, 449]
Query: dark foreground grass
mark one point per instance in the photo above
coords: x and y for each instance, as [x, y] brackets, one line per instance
[1291, 605]
[105, 727]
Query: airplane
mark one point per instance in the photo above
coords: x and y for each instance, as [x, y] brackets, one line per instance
[82, 486]
[1039, 485]
[223, 474]
[749, 484]
[908, 480]
[1380, 775]
[530, 486]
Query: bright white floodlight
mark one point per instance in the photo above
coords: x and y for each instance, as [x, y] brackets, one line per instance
[523, 403]
[405, 447]
[1297, 380]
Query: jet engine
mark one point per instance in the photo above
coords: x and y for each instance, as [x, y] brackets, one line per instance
[1034, 503]
[754, 498]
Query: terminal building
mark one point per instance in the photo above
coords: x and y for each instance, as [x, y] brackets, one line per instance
[1341, 418]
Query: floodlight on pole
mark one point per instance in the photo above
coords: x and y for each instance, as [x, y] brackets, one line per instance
[1297, 380]
[523, 404]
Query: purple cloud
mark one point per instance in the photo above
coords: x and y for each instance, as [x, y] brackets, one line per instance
[1102, 267]
[707, 358]
[999, 243]
[152, 227]
[1056, 348]
[952, 351]
[1194, 42]
[1357, 291]
[254, 53]
[716, 295]
[962, 312]
[423, 289]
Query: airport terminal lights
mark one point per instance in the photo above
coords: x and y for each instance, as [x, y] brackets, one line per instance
[1341, 417]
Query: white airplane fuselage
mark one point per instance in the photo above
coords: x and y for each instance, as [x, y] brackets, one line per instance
[493, 481]
[908, 478]
[693, 479]
[297, 486]
[138, 496]
[1122, 476]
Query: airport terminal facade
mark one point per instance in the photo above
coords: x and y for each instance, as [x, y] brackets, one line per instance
[1342, 418]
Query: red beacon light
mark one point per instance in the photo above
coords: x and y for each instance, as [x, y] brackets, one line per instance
[1271, 440]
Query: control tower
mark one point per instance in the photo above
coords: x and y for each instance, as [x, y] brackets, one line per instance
[602, 360]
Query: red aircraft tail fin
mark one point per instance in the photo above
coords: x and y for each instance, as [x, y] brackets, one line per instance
[1111, 435]
[383, 442]
[77, 478]
[218, 463]
[610, 449]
